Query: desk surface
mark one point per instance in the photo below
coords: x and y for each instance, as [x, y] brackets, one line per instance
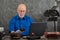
[8, 38]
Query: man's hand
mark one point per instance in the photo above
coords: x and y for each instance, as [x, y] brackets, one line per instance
[22, 29]
[12, 31]
[18, 31]
[16, 34]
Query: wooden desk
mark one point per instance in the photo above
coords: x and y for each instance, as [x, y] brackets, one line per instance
[52, 34]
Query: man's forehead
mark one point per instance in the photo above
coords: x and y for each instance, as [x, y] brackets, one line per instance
[21, 6]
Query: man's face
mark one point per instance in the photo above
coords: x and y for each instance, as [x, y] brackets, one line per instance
[21, 10]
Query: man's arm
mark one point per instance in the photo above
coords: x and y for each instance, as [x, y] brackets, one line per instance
[11, 25]
[31, 20]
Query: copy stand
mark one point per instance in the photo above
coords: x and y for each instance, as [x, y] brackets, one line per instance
[52, 16]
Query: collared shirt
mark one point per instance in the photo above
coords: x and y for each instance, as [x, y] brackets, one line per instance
[16, 23]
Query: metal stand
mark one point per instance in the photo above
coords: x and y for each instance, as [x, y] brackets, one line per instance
[54, 19]
[55, 26]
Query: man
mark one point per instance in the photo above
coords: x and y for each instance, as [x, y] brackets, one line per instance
[20, 21]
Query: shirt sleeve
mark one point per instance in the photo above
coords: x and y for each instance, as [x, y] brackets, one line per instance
[31, 20]
[11, 25]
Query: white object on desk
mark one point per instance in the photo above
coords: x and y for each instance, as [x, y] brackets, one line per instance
[1, 29]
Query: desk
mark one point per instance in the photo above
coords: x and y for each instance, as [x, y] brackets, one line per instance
[8, 38]
[52, 34]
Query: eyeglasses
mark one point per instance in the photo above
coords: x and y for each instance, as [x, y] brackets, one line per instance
[22, 10]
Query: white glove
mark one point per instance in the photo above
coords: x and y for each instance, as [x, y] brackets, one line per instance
[12, 31]
[18, 31]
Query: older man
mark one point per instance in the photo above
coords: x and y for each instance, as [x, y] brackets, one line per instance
[20, 21]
